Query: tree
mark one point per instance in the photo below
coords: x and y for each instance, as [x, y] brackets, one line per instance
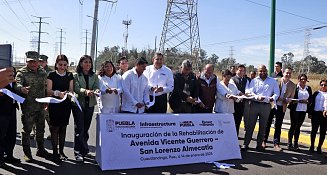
[213, 59]
[287, 59]
[226, 63]
[203, 55]
[250, 68]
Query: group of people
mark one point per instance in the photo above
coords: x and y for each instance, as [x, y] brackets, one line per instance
[131, 91]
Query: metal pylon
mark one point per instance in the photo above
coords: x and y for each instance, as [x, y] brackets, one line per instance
[181, 30]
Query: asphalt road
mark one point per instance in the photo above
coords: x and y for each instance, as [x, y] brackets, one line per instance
[253, 162]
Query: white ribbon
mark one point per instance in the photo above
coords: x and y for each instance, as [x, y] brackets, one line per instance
[151, 103]
[50, 99]
[13, 95]
[55, 100]
[222, 165]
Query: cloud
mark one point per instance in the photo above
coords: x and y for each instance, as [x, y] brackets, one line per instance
[261, 49]
[319, 42]
[317, 48]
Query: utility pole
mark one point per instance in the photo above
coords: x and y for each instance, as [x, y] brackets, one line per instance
[86, 40]
[55, 49]
[272, 37]
[40, 31]
[94, 28]
[60, 41]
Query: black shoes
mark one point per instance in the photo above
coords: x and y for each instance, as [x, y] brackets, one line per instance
[311, 149]
[56, 158]
[290, 147]
[260, 149]
[244, 147]
[2, 164]
[63, 156]
[42, 153]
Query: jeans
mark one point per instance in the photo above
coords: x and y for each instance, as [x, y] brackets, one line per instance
[82, 120]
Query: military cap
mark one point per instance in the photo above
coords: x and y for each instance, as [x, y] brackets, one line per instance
[43, 57]
[32, 55]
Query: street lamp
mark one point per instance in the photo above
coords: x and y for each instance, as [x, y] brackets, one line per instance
[96, 42]
[126, 23]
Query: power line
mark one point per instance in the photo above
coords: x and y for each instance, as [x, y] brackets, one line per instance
[107, 21]
[7, 4]
[33, 8]
[287, 12]
[288, 32]
[3, 18]
[12, 35]
[26, 13]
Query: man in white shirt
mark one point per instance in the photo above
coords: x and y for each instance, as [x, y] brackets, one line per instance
[161, 81]
[287, 92]
[265, 90]
[135, 88]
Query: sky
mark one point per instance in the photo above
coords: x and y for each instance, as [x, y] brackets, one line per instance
[242, 26]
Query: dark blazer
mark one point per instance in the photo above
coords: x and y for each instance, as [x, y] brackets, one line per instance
[177, 96]
[6, 103]
[240, 84]
[312, 103]
[292, 105]
[207, 93]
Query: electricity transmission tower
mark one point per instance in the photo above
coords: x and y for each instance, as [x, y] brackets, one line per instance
[305, 65]
[181, 30]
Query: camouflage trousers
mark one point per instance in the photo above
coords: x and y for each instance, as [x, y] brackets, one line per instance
[47, 119]
[29, 120]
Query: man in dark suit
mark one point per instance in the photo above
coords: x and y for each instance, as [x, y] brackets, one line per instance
[278, 73]
[240, 81]
[8, 127]
[186, 90]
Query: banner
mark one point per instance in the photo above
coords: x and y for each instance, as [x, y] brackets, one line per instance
[127, 141]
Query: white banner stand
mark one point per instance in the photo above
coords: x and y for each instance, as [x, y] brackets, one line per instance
[126, 141]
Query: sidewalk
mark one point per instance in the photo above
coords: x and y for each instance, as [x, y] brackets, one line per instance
[304, 135]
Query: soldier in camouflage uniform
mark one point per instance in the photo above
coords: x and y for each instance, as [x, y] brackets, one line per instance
[43, 61]
[31, 84]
